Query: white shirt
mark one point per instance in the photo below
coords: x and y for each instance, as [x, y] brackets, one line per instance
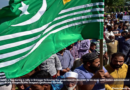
[107, 34]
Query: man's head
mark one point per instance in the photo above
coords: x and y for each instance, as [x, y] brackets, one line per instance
[116, 26]
[93, 46]
[40, 75]
[124, 33]
[121, 23]
[109, 28]
[91, 61]
[117, 60]
[61, 51]
[112, 38]
[106, 22]
[124, 27]
[71, 83]
[70, 46]
[112, 28]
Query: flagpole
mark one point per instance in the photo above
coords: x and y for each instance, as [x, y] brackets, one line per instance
[101, 53]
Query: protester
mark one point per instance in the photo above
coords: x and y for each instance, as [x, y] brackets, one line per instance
[83, 47]
[66, 60]
[109, 33]
[105, 55]
[93, 48]
[112, 47]
[52, 65]
[73, 50]
[5, 85]
[41, 75]
[117, 69]
[124, 45]
[71, 81]
[125, 28]
[91, 70]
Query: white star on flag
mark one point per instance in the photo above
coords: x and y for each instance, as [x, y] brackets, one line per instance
[24, 9]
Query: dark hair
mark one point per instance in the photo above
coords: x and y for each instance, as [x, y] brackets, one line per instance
[109, 27]
[90, 57]
[118, 54]
[92, 44]
[41, 74]
[124, 32]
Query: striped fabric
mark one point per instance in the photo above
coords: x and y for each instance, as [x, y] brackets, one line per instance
[3, 79]
[23, 48]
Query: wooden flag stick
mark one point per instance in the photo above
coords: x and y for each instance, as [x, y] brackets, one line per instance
[101, 53]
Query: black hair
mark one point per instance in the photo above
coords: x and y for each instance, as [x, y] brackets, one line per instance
[109, 27]
[124, 32]
[92, 44]
[118, 54]
[41, 74]
[85, 59]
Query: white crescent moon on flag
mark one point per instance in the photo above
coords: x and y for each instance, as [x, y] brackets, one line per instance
[36, 17]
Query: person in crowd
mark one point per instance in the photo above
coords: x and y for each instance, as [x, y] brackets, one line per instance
[3, 85]
[105, 24]
[124, 46]
[66, 60]
[83, 47]
[71, 81]
[116, 32]
[127, 83]
[73, 50]
[112, 47]
[93, 48]
[41, 75]
[25, 86]
[105, 55]
[109, 33]
[124, 33]
[125, 28]
[117, 69]
[112, 22]
[91, 70]
[52, 65]
[121, 24]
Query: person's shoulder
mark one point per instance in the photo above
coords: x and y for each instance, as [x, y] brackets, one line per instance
[125, 66]
[107, 66]
[80, 68]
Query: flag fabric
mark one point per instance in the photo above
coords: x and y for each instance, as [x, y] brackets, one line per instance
[44, 27]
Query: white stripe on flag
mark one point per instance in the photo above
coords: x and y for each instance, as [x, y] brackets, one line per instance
[82, 6]
[80, 12]
[72, 19]
[20, 34]
[7, 63]
[17, 52]
[18, 43]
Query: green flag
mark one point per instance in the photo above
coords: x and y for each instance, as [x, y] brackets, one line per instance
[44, 27]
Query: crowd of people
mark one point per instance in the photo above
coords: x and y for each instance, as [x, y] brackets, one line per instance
[81, 60]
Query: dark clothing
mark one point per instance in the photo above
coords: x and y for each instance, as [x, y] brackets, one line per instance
[124, 46]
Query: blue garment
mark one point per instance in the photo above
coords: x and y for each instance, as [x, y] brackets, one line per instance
[27, 88]
[84, 74]
[57, 86]
[66, 60]
[120, 31]
[124, 46]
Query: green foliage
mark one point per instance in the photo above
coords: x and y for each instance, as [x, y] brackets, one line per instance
[114, 2]
[126, 9]
[122, 9]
